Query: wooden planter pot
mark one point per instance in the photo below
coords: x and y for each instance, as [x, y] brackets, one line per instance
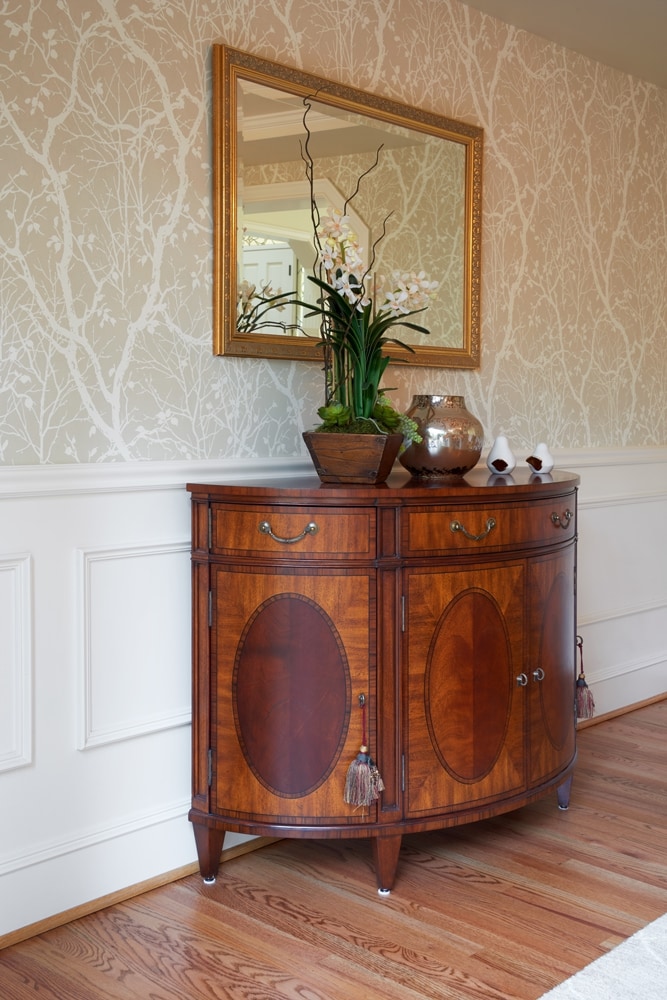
[353, 458]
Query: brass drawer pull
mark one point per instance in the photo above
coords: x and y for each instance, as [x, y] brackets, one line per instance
[562, 522]
[457, 526]
[265, 529]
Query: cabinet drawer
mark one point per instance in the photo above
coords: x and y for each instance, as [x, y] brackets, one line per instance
[491, 527]
[289, 533]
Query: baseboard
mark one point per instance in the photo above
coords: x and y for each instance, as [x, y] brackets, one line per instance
[67, 916]
[585, 723]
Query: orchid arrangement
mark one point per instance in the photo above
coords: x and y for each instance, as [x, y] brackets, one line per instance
[355, 327]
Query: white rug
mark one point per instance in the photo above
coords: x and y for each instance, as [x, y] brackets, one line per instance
[635, 970]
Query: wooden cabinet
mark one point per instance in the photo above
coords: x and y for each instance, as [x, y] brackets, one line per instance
[449, 608]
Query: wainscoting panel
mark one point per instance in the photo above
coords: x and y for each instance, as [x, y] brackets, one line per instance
[133, 601]
[15, 662]
[95, 657]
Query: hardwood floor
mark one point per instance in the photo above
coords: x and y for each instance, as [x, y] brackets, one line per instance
[502, 909]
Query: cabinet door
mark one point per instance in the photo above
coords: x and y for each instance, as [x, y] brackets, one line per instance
[290, 655]
[464, 741]
[552, 664]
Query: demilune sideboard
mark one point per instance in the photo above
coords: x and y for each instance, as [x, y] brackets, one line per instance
[434, 620]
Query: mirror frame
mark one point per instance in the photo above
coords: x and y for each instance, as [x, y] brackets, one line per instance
[230, 65]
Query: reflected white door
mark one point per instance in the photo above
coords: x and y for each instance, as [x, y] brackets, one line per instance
[273, 267]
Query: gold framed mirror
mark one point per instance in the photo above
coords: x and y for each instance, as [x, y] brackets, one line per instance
[428, 176]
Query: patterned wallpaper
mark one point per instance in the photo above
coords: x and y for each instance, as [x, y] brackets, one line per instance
[105, 227]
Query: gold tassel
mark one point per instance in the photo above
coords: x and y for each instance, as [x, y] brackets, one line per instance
[585, 699]
[363, 783]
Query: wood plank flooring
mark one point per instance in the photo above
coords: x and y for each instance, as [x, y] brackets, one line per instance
[503, 909]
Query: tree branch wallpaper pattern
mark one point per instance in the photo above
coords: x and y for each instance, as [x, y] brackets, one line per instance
[105, 227]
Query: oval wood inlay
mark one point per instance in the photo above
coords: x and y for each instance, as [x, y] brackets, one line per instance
[468, 688]
[557, 659]
[291, 695]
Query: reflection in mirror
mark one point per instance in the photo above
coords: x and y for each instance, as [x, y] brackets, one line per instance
[425, 182]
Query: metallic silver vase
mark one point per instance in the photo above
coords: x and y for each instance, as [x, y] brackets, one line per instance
[452, 438]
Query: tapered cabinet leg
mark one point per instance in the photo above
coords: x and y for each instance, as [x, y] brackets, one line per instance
[564, 793]
[385, 856]
[209, 843]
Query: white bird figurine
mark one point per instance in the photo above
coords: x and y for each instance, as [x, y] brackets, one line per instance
[541, 460]
[500, 457]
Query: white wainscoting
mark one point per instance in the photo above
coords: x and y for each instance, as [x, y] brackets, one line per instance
[95, 657]
[622, 573]
[95, 679]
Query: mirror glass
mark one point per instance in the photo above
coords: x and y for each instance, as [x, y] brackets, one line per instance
[419, 184]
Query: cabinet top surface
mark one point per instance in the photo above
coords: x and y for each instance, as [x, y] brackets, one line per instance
[478, 484]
